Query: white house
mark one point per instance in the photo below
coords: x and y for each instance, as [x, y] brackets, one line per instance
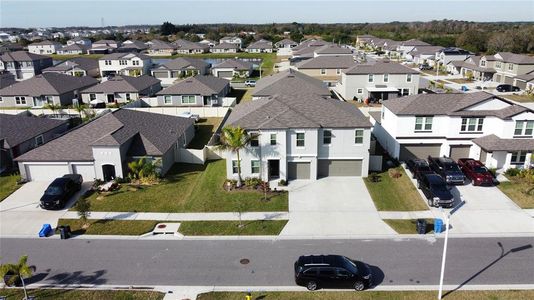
[300, 136]
[44, 47]
[80, 41]
[446, 55]
[232, 40]
[130, 64]
[475, 125]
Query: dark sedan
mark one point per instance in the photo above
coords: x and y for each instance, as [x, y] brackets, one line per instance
[60, 191]
[507, 88]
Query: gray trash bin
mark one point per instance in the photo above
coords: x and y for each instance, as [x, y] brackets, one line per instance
[421, 226]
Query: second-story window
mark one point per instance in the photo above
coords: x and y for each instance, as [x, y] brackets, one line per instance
[371, 78]
[358, 136]
[273, 139]
[135, 62]
[408, 77]
[472, 124]
[510, 67]
[423, 123]
[525, 128]
[498, 64]
[300, 139]
[323, 71]
[482, 63]
[254, 140]
[327, 137]
[107, 62]
[386, 77]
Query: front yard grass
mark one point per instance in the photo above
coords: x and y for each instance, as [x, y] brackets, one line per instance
[188, 188]
[395, 194]
[520, 98]
[460, 80]
[109, 227]
[241, 95]
[261, 227]
[516, 189]
[8, 184]
[205, 128]
[59, 294]
[407, 226]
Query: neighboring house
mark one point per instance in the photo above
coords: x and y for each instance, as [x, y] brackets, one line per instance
[476, 125]
[80, 41]
[423, 54]
[180, 67]
[24, 65]
[332, 50]
[232, 40]
[404, 47]
[157, 47]
[210, 43]
[104, 47]
[289, 82]
[525, 81]
[300, 136]
[132, 46]
[77, 66]
[122, 89]
[6, 79]
[195, 91]
[473, 67]
[73, 49]
[363, 41]
[380, 80]
[10, 47]
[130, 64]
[285, 47]
[261, 46]
[44, 47]
[231, 68]
[327, 68]
[101, 148]
[307, 48]
[53, 88]
[188, 47]
[21, 133]
[446, 55]
[225, 48]
[509, 65]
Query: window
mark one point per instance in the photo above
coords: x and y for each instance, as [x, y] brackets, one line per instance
[472, 124]
[273, 139]
[358, 136]
[1, 100]
[167, 100]
[128, 97]
[327, 137]
[123, 62]
[518, 158]
[135, 62]
[482, 63]
[49, 99]
[254, 141]
[189, 99]
[524, 128]
[371, 78]
[498, 64]
[92, 97]
[323, 71]
[107, 62]
[403, 92]
[39, 140]
[510, 67]
[300, 139]
[20, 100]
[423, 123]
[235, 169]
[359, 91]
[408, 77]
[255, 166]
[386, 77]
[338, 71]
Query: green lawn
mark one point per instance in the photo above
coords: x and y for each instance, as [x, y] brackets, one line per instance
[8, 184]
[371, 295]
[520, 98]
[242, 95]
[395, 194]
[110, 227]
[188, 188]
[232, 227]
[205, 129]
[460, 80]
[58, 294]
[408, 226]
[517, 189]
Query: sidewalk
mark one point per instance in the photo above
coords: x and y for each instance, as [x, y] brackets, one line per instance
[407, 215]
[224, 216]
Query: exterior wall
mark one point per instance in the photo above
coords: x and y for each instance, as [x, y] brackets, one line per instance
[116, 67]
[167, 52]
[43, 49]
[231, 50]
[216, 71]
[257, 50]
[23, 70]
[334, 73]
[349, 84]
[120, 97]
[108, 156]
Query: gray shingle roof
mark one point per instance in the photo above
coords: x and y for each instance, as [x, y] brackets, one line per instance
[181, 63]
[134, 44]
[236, 64]
[48, 84]
[494, 143]
[526, 77]
[75, 47]
[286, 42]
[161, 45]
[22, 56]
[114, 56]
[198, 85]
[17, 128]
[226, 46]
[414, 42]
[380, 68]
[297, 111]
[289, 82]
[328, 62]
[46, 42]
[261, 44]
[520, 59]
[83, 63]
[123, 84]
[333, 49]
[157, 133]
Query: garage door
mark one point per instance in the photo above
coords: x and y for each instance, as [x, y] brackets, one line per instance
[329, 167]
[225, 74]
[508, 80]
[459, 151]
[521, 84]
[46, 172]
[483, 156]
[87, 171]
[298, 170]
[411, 151]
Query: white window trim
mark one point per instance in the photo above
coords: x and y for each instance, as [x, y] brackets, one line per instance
[477, 123]
[370, 78]
[252, 166]
[165, 100]
[327, 130]
[236, 166]
[323, 71]
[359, 91]
[188, 97]
[409, 78]
[424, 122]
[386, 78]
[517, 161]
[357, 136]
[297, 139]
[271, 139]
[523, 128]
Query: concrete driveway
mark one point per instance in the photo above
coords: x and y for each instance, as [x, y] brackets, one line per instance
[20, 214]
[332, 206]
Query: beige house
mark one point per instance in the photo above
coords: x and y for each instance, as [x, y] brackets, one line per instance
[509, 65]
[327, 68]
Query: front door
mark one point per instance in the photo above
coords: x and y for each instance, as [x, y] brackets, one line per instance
[111, 98]
[274, 168]
[108, 172]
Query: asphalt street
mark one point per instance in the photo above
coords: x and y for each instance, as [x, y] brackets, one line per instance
[195, 262]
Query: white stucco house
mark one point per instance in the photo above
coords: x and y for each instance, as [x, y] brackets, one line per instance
[130, 64]
[476, 125]
[44, 47]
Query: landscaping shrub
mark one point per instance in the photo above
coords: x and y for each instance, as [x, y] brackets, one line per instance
[374, 177]
[252, 182]
[394, 173]
[512, 172]
[282, 182]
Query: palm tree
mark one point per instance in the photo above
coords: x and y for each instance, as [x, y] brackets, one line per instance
[80, 108]
[53, 107]
[17, 272]
[235, 139]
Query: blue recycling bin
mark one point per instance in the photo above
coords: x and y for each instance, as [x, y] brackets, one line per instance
[438, 225]
[45, 230]
[464, 88]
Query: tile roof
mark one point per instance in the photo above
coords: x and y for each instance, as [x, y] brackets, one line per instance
[236, 64]
[48, 84]
[198, 85]
[78, 62]
[156, 132]
[123, 84]
[380, 68]
[18, 128]
[328, 62]
[492, 143]
[520, 59]
[289, 82]
[22, 56]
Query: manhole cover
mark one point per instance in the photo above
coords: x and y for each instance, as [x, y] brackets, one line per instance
[162, 226]
[244, 261]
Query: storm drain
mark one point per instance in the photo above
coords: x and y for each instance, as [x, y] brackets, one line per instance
[244, 261]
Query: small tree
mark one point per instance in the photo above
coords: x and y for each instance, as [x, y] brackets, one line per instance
[264, 186]
[80, 109]
[235, 139]
[83, 207]
[53, 107]
[17, 272]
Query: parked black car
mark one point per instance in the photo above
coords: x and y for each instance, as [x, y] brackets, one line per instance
[60, 191]
[425, 67]
[447, 168]
[418, 166]
[436, 190]
[507, 88]
[334, 271]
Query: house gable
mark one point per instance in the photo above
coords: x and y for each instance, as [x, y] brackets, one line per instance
[490, 104]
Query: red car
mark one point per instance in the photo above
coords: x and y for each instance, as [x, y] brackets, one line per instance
[476, 171]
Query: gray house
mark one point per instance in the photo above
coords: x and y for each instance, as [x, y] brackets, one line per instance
[56, 88]
[24, 65]
[103, 147]
[21, 133]
[122, 89]
[232, 68]
[180, 67]
[289, 82]
[78, 66]
[195, 91]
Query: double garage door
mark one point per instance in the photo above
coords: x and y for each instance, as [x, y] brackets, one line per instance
[225, 74]
[48, 172]
[325, 167]
[412, 151]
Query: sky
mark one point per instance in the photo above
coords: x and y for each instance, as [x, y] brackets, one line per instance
[61, 13]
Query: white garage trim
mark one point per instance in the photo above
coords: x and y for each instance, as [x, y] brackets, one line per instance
[86, 170]
[45, 171]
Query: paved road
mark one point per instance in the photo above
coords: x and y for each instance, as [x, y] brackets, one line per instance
[396, 262]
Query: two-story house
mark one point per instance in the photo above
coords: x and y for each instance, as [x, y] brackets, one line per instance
[473, 125]
[195, 91]
[327, 68]
[130, 64]
[44, 47]
[24, 65]
[404, 47]
[509, 65]
[232, 40]
[289, 82]
[80, 41]
[300, 136]
[380, 80]
[446, 55]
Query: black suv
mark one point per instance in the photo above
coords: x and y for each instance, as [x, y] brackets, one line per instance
[507, 88]
[335, 271]
[60, 190]
[448, 169]
[418, 166]
[436, 190]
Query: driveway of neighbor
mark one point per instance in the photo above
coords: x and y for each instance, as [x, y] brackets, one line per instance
[20, 214]
[332, 206]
